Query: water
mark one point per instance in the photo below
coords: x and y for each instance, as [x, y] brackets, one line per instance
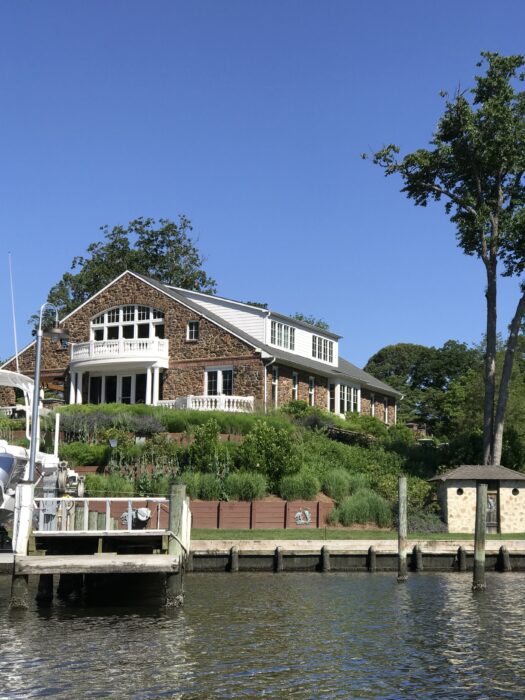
[288, 635]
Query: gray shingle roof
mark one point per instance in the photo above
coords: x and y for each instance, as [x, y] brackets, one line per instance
[480, 472]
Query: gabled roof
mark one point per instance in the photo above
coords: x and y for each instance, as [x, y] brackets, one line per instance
[480, 472]
[368, 380]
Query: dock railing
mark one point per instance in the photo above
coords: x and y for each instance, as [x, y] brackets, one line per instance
[96, 515]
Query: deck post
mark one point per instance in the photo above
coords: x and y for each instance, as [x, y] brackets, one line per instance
[417, 558]
[402, 574]
[504, 557]
[44, 594]
[478, 582]
[372, 559]
[175, 582]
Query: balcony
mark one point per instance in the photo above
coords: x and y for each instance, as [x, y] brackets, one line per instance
[231, 404]
[135, 350]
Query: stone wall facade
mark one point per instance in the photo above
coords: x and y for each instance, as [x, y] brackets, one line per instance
[369, 399]
[459, 509]
[285, 386]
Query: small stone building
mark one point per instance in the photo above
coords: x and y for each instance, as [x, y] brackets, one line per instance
[505, 498]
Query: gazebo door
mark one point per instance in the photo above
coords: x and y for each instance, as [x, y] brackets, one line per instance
[492, 511]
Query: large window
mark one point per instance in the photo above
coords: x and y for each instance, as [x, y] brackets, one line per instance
[128, 322]
[348, 399]
[219, 380]
[282, 335]
[192, 330]
[322, 349]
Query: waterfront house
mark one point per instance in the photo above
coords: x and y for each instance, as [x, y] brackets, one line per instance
[140, 341]
[505, 498]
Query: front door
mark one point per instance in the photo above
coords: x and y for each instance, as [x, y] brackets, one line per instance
[492, 512]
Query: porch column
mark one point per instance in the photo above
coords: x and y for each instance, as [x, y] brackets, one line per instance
[79, 387]
[73, 387]
[103, 390]
[155, 386]
[148, 385]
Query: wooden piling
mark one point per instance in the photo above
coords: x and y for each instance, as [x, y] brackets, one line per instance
[417, 558]
[19, 592]
[402, 573]
[92, 520]
[279, 561]
[478, 582]
[174, 582]
[325, 559]
[44, 594]
[189, 562]
[462, 559]
[79, 516]
[234, 559]
[504, 557]
[372, 559]
[101, 521]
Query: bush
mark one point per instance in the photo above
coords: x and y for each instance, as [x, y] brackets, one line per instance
[245, 486]
[192, 482]
[210, 487]
[111, 485]
[205, 453]
[80, 453]
[363, 507]
[303, 485]
[424, 521]
[269, 450]
[336, 484]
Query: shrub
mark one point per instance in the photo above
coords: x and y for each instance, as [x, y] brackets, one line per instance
[210, 487]
[101, 485]
[362, 507]
[336, 484]
[192, 482]
[424, 521]
[245, 486]
[269, 450]
[80, 453]
[304, 484]
[205, 453]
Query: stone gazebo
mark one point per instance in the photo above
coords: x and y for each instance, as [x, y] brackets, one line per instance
[505, 498]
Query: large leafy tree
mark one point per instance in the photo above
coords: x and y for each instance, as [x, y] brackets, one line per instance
[163, 250]
[476, 165]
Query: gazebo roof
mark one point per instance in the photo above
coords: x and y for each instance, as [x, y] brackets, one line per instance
[480, 472]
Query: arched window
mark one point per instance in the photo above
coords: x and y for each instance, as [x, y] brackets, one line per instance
[128, 322]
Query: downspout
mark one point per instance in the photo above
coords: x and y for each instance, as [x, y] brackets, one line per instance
[266, 383]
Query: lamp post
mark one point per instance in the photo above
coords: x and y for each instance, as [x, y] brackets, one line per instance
[57, 333]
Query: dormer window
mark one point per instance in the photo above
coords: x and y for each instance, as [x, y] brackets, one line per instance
[282, 335]
[322, 349]
[127, 323]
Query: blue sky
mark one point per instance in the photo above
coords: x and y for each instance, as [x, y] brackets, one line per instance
[249, 117]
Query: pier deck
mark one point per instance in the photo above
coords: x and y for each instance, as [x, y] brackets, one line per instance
[96, 564]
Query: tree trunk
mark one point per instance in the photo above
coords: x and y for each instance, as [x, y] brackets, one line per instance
[503, 394]
[490, 363]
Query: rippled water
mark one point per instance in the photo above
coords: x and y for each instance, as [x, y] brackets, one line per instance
[287, 635]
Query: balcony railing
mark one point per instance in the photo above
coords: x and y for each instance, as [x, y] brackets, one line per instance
[136, 348]
[232, 404]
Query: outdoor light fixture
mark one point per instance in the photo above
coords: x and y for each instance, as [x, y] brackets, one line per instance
[58, 334]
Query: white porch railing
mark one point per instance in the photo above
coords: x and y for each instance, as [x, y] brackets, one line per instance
[111, 514]
[140, 348]
[7, 410]
[232, 404]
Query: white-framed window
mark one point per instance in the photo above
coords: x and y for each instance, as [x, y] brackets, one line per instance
[130, 321]
[322, 349]
[275, 385]
[349, 399]
[218, 380]
[385, 409]
[295, 385]
[282, 335]
[372, 404]
[192, 330]
[311, 391]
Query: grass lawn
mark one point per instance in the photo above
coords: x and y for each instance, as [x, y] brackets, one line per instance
[334, 534]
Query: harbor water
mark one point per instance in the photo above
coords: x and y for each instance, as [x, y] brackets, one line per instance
[287, 635]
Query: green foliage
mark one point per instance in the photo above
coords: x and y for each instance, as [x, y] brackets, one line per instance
[302, 485]
[312, 320]
[366, 424]
[270, 450]
[210, 488]
[163, 250]
[206, 452]
[108, 485]
[245, 486]
[418, 490]
[424, 521]
[12, 423]
[82, 454]
[362, 507]
[192, 482]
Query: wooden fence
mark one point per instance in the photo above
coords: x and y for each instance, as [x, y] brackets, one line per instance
[276, 513]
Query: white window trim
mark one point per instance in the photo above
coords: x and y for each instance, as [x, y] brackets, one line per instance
[219, 369]
[295, 386]
[275, 383]
[284, 333]
[311, 390]
[372, 405]
[193, 340]
[121, 324]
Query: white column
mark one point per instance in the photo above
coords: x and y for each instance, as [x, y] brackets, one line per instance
[73, 387]
[103, 390]
[148, 385]
[155, 386]
[79, 387]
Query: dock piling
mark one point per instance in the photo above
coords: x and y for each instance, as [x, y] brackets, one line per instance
[325, 559]
[234, 559]
[402, 573]
[462, 559]
[279, 561]
[19, 592]
[417, 558]
[174, 581]
[504, 559]
[478, 582]
[372, 559]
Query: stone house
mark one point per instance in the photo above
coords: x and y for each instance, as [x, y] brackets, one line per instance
[505, 498]
[140, 341]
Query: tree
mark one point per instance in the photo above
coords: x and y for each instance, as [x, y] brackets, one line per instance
[162, 250]
[312, 320]
[476, 165]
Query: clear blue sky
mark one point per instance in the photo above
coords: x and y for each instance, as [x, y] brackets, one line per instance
[249, 117]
